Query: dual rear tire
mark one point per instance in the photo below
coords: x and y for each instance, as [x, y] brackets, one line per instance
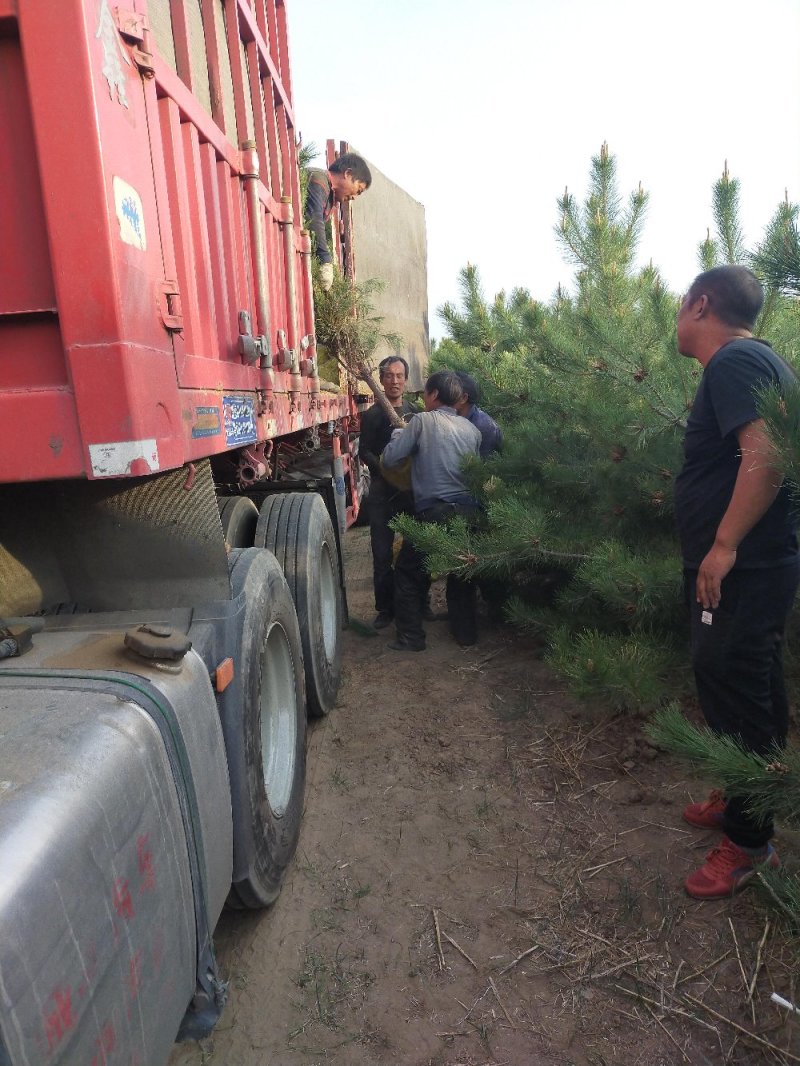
[264, 721]
[289, 658]
[239, 517]
[297, 529]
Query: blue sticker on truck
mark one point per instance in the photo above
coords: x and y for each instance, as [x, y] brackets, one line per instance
[239, 414]
[206, 422]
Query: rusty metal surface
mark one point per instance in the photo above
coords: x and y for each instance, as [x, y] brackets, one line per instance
[121, 545]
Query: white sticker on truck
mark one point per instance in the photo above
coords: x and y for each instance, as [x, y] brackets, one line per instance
[123, 457]
[114, 54]
[130, 214]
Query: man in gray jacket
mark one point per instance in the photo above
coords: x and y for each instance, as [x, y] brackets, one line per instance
[438, 441]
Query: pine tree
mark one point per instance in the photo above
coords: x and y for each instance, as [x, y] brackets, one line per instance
[593, 398]
[777, 261]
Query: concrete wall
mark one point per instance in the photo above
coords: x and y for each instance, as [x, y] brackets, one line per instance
[390, 242]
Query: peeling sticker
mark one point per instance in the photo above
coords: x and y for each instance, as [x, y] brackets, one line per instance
[114, 54]
[130, 214]
[239, 413]
[123, 457]
[207, 422]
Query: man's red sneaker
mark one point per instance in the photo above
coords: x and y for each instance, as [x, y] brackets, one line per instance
[727, 869]
[709, 813]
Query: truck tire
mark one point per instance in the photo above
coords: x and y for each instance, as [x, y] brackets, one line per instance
[297, 528]
[264, 722]
[239, 517]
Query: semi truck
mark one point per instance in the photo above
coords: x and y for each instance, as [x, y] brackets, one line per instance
[174, 480]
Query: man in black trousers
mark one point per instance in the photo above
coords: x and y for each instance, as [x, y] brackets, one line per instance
[384, 501]
[740, 555]
[438, 441]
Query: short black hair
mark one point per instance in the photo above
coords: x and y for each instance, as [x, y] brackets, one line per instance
[387, 362]
[734, 294]
[355, 164]
[470, 386]
[446, 385]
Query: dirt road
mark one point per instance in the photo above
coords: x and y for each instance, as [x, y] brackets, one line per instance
[487, 874]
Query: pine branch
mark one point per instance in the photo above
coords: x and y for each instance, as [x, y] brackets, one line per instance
[726, 217]
[777, 258]
[593, 400]
[781, 414]
[347, 326]
[623, 672]
[770, 783]
[783, 891]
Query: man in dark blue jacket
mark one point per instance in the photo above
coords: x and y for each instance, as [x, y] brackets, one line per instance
[491, 434]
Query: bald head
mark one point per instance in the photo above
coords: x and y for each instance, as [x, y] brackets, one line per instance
[734, 294]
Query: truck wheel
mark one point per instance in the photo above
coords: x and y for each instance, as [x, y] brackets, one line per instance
[265, 730]
[239, 517]
[296, 527]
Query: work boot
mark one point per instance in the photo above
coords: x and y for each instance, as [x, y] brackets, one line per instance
[708, 814]
[403, 644]
[382, 620]
[727, 869]
[463, 630]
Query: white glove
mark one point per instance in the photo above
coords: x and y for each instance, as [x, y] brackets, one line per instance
[326, 276]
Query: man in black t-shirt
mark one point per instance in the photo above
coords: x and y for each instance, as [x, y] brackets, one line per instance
[385, 501]
[740, 555]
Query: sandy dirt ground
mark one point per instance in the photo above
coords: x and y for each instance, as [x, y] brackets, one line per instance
[489, 874]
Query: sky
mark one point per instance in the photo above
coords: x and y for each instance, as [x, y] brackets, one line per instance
[485, 110]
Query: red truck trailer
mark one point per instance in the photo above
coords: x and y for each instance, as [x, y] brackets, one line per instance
[171, 587]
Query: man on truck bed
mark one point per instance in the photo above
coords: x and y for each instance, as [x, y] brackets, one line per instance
[345, 179]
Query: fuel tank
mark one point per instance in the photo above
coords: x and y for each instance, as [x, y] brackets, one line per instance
[115, 849]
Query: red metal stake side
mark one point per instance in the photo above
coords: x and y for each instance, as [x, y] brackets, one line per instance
[132, 269]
